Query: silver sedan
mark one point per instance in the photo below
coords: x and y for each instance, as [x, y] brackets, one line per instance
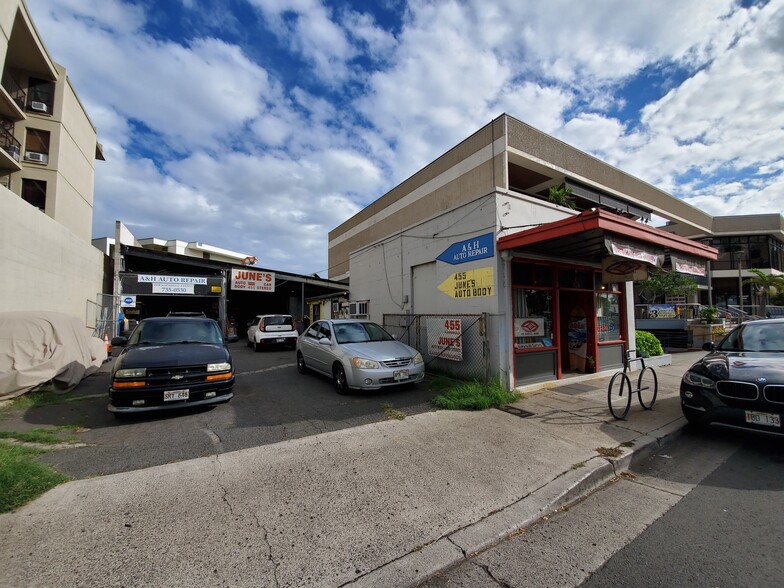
[357, 354]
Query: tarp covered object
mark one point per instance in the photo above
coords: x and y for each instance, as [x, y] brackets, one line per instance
[36, 347]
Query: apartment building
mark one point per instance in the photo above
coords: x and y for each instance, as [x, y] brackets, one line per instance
[48, 150]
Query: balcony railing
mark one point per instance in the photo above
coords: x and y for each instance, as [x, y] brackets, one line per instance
[14, 89]
[8, 142]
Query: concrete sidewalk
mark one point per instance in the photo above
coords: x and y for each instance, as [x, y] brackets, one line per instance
[385, 504]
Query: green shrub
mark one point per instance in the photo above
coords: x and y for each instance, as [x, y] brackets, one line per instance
[647, 344]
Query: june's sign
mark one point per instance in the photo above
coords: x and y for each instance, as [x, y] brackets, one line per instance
[257, 281]
[469, 250]
[475, 283]
[444, 338]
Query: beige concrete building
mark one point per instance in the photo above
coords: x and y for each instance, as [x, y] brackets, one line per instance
[48, 150]
[476, 234]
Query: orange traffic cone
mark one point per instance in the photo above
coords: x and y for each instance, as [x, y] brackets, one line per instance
[108, 345]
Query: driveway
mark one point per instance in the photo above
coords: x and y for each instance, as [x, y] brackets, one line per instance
[272, 403]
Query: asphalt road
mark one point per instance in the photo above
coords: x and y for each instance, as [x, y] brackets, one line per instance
[707, 510]
[272, 403]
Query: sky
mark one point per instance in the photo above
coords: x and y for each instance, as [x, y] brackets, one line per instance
[260, 125]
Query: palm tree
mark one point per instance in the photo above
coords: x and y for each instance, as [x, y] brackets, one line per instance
[767, 285]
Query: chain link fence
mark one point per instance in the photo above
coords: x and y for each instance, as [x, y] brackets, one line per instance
[101, 314]
[456, 345]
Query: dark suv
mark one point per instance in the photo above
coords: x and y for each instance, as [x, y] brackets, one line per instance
[171, 362]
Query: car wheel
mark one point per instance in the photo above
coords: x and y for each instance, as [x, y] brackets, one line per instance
[301, 367]
[339, 379]
[256, 346]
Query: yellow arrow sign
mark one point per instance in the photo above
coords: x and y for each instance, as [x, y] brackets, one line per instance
[469, 284]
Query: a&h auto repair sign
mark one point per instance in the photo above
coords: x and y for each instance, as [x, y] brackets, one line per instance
[257, 281]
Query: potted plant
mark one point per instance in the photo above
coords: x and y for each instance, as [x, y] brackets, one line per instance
[590, 364]
[709, 313]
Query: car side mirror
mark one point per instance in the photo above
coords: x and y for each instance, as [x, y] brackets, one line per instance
[325, 341]
[709, 346]
[119, 341]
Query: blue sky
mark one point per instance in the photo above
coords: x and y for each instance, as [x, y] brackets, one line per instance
[260, 125]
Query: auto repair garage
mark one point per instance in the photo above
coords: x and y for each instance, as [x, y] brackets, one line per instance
[154, 283]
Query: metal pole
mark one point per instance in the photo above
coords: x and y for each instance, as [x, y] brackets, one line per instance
[740, 287]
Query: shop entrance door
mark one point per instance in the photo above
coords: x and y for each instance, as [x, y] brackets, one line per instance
[578, 333]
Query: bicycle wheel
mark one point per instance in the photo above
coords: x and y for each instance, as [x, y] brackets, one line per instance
[619, 395]
[647, 387]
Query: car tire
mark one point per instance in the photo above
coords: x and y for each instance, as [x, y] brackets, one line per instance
[256, 346]
[301, 367]
[339, 379]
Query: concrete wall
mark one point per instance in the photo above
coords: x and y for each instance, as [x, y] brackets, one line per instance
[43, 265]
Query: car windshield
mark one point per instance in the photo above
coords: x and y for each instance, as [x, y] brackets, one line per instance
[360, 332]
[163, 332]
[755, 337]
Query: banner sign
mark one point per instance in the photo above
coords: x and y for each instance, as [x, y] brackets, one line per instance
[635, 251]
[688, 265]
[662, 311]
[443, 338]
[479, 247]
[257, 281]
[469, 284]
[529, 327]
[133, 284]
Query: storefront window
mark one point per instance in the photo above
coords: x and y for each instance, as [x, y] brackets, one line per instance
[608, 316]
[533, 319]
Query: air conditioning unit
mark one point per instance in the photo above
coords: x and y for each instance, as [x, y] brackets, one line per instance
[39, 106]
[35, 156]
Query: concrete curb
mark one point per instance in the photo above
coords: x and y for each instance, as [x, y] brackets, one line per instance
[568, 488]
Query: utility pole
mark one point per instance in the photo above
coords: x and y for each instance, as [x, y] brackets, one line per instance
[740, 285]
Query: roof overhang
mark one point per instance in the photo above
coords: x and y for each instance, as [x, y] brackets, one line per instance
[598, 236]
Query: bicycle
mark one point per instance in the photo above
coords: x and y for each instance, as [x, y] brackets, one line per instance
[619, 392]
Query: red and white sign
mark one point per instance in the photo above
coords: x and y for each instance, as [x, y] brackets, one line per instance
[444, 338]
[257, 281]
[529, 327]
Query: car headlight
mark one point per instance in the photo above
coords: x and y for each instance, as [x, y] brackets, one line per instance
[131, 373]
[365, 364]
[218, 367]
[694, 379]
[418, 358]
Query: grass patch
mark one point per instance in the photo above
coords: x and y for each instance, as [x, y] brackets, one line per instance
[35, 398]
[609, 451]
[472, 395]
[46, 436]
[23, 477]
[393, 413]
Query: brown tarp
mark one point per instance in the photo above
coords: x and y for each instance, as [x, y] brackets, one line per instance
[36, 347]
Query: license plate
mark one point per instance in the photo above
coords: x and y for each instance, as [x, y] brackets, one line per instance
[175, 395]
[280, 340]
[400, 374]
[766, 419]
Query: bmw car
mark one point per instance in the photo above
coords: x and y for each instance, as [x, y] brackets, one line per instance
[171, 362]
[358, 354]
[740, 382]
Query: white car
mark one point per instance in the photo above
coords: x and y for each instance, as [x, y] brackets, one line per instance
[272, 329]
[358, 354]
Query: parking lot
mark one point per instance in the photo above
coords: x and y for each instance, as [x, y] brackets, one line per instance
[272, 403]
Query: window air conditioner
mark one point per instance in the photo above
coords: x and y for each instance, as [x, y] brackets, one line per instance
[39, 106]
[35, 156]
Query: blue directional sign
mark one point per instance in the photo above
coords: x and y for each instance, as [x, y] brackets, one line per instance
[469, 250]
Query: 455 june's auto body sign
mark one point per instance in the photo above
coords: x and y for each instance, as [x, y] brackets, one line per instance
[469, 250]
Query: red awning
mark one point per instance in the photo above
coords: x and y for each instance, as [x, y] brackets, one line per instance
[585, 238]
